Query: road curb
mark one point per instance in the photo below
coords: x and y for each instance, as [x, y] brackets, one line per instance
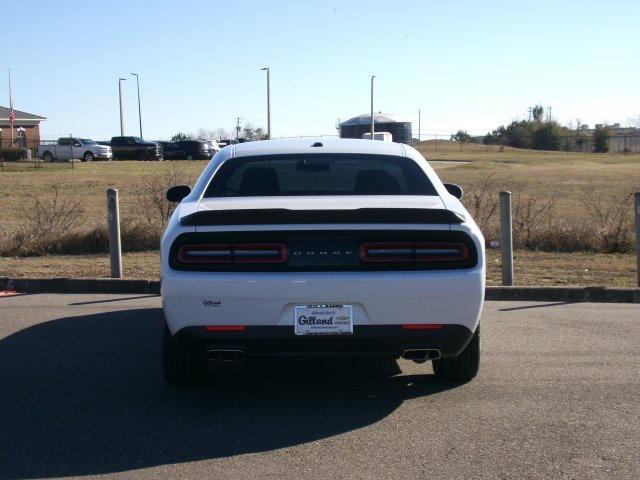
[79, 285]
[565, 294]
[112, 285]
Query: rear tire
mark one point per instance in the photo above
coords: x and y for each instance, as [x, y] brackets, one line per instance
[47, 157]
[462, 368]
[179, 369]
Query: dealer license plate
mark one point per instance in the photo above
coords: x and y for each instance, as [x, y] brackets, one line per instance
[323, 319]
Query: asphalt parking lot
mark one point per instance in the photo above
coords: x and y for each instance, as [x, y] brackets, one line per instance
[81, 393]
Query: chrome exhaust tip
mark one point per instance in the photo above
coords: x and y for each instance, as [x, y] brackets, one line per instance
[420, 355]
[225, 355]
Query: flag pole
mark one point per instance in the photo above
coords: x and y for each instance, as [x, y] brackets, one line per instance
[11, 114]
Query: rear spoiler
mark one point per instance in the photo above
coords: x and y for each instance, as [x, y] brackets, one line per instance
[283, 216]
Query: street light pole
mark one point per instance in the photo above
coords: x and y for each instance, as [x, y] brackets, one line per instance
[120, 80]
[372, 118]
[139, 108]
[268, 101]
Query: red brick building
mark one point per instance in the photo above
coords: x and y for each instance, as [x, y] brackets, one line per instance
[26, 130]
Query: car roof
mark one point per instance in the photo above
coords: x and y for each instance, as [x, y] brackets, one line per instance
[317, 145]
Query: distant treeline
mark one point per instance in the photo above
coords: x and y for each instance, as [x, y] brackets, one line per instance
[538, 134]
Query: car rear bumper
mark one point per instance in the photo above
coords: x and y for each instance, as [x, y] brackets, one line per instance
[269, 299]
[382, 341]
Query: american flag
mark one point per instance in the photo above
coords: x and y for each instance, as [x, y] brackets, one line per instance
[12, 114]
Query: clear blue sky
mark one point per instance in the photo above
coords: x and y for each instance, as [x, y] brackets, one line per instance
[467, 64]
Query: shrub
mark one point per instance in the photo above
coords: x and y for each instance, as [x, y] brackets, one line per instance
[548, 136]
[532, 217]
[13, 154]
[482, 203]
[461, 136]
[46, 222]
[152, 205]
[601, 137]
[612, 221]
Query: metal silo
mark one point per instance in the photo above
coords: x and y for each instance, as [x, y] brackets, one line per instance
[357, 126]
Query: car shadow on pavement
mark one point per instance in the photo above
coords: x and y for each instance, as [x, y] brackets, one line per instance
[85, 395]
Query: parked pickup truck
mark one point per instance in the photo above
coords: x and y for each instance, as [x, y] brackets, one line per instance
[135, 148]
[67, 148]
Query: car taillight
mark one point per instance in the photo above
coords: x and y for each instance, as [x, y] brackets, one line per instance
[417, 252]
[441, 252]
[387, 252]
[259, 253]
[229, 253]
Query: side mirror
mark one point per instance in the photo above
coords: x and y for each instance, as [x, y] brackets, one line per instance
[177, 193]
[455, 190]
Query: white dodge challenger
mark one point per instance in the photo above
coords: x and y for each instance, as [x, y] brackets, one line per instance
[320, 247]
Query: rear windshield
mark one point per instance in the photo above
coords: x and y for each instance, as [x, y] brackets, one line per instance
[290, 175]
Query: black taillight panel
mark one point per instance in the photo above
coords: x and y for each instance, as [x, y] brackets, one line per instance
[414, 252]
[323, 251]
[215, 253]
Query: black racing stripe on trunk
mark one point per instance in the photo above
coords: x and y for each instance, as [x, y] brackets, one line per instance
[282, 216]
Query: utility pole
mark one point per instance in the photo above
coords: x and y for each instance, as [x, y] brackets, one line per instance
[268, 102]
[139, 109]
[372, 118]
[120, 80]
[238, 128]
[530, 112]
[419, 123]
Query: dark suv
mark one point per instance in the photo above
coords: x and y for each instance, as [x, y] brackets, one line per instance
[135, 148]
[187, 150]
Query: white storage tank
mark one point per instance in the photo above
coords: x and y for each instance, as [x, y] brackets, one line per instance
[382, 136]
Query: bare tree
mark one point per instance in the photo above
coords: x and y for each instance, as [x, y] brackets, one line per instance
[211, 134]
[204, 134]
[251, 133]
[221, 133]
[634, 121]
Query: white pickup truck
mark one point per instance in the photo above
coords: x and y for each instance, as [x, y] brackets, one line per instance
[67, 148]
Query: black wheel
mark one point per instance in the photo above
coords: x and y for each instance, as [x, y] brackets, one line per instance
[87, 157]
[462, 368]
[179, 369]
[189, 157]
[47, 157]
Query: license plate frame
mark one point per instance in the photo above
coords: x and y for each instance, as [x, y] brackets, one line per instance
[323, 319]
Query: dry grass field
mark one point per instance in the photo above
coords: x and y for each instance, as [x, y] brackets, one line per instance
[568, 178]
[581, 195]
